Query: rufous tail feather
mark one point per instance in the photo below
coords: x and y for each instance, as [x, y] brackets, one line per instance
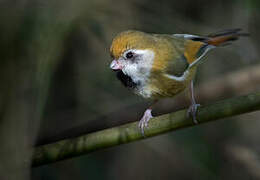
[223, 37]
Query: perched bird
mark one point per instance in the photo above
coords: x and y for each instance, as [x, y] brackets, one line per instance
[155, 66]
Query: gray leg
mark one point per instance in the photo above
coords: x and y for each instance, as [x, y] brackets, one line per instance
[192, 111]
[143, 123]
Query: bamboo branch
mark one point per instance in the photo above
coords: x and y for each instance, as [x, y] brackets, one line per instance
[69, 148]
[234, 83]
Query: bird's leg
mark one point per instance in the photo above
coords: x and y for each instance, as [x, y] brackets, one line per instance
[192, 111]
[143, 123]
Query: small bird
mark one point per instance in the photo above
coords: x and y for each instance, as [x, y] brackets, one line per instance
[156, 66]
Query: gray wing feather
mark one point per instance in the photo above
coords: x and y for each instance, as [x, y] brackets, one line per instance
[192, 37]
[178, 67]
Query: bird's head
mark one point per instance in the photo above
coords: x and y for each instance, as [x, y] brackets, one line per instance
[132, 53]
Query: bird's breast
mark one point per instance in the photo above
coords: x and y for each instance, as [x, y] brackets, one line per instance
[161, 86]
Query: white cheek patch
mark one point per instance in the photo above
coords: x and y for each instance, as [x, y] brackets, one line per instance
[139, 71]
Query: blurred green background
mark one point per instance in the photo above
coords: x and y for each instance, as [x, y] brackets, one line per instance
[56, 83]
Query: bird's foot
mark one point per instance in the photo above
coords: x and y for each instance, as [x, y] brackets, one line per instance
[192, 112]
[145, 119]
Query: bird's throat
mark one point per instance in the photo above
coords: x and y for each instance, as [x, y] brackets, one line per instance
[126, 80]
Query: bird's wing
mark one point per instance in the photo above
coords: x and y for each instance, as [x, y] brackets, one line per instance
[187, 52]
[195, 47]
[189, 49]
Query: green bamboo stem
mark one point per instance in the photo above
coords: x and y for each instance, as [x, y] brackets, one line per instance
[85, 144]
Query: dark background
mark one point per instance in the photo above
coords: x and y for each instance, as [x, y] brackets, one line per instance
[56, 83]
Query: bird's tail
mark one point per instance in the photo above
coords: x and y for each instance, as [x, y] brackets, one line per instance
[224, 37]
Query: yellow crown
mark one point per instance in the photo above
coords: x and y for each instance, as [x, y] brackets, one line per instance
[129, 40]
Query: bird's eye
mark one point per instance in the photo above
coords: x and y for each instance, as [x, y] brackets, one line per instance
[129, 55]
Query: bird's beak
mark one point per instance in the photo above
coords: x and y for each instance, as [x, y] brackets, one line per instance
[116, 65]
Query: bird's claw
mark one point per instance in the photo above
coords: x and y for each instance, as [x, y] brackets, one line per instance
[143, 123]
[192, 112]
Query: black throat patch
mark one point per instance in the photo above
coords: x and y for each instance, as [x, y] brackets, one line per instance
[126, 80]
